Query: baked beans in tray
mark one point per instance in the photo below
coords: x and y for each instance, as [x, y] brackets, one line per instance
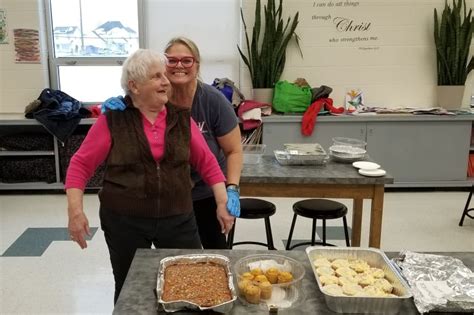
[199, 282]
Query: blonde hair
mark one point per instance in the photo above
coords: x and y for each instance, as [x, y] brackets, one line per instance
[137, 65]
[189, 44]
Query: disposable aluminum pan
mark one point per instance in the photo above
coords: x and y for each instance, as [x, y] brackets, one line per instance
[187, 259]
[301, 154]
[286, 158]
[364, 305]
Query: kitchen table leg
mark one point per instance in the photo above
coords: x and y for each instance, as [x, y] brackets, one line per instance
[376, 216]
[357, 205]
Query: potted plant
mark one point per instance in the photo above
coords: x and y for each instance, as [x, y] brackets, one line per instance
[453, 34]
[266, 54]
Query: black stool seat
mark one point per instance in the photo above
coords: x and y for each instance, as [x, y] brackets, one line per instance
[322, 209]
[253, 208]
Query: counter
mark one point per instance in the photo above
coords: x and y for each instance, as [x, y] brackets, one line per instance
[137, 296]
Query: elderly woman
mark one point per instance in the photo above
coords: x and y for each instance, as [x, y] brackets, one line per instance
[148, 149]
[218, 124]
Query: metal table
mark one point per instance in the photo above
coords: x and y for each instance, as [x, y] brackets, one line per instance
[333, 180]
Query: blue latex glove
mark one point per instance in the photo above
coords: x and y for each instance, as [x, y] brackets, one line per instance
[233, 202]
[113, 103]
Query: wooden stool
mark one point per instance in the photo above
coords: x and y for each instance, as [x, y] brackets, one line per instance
[253, 208]
[323, 209]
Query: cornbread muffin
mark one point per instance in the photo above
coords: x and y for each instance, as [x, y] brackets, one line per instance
[260, 278]
[265, 290]
[247, 275]
[272, 275]
[256, 272]
[252, 294]
[243, 284]
[285, 277]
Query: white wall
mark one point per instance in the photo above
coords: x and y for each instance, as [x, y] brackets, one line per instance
[22, 83]
[396, 69]
[212, 24]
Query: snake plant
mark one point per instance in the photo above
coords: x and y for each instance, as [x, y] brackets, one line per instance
[453, 35]
[266, 56]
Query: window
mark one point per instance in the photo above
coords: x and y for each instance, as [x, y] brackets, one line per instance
[89, 40]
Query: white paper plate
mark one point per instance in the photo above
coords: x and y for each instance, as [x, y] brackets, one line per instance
[372, 173]
[366, 165]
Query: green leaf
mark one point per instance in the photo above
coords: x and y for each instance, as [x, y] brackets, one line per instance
[266, 54]
[452, 36]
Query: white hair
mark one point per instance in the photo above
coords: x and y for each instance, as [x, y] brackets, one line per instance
[137, 65]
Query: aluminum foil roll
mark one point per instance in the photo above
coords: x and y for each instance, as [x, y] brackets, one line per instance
[440, 283]
[197, 258]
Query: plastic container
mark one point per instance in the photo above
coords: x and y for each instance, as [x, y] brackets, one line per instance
[284, 295]
[351, 142]
[253, 153]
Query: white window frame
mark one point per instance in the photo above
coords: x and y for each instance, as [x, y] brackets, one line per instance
[55, 62]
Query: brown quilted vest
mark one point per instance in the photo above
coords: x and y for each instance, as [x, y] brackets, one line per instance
[134, 183]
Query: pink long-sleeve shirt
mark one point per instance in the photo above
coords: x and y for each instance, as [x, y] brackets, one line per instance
[96, 146]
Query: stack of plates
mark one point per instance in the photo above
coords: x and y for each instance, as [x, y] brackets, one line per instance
[346, 153]
[369, 168]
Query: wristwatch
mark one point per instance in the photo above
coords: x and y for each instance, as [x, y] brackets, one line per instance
[233, 187]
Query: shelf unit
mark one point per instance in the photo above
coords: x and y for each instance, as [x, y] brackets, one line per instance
[11, 126]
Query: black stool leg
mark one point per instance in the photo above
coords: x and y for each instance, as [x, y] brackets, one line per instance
[466, 207]
[346, 231]
[230, 237]
[268, 230]
[313, 234]
[291, 232]
[324, 232]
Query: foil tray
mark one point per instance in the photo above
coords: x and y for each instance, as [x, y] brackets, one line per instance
[363, 305]
[197, 258]
[301, 154]
[426, 273]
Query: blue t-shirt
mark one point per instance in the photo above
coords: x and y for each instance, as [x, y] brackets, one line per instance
[215, 117]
